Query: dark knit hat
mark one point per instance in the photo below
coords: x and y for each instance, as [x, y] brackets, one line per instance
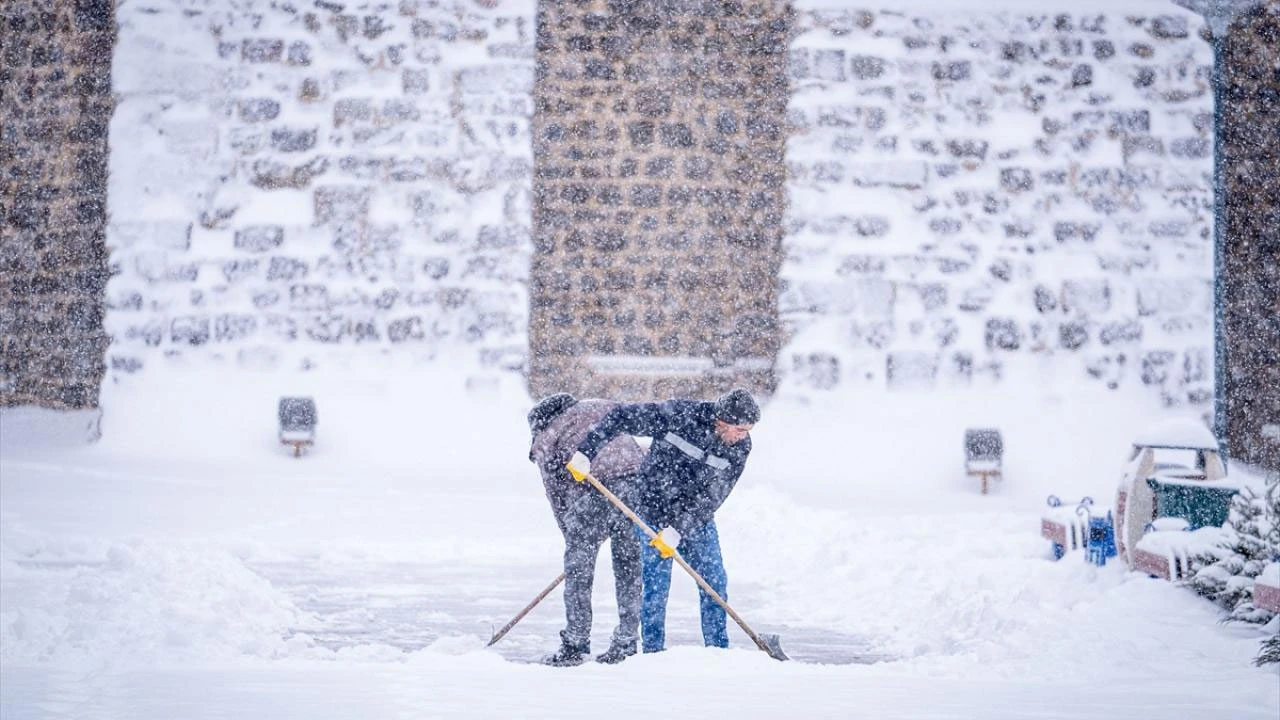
[737, 407]
[548, 408]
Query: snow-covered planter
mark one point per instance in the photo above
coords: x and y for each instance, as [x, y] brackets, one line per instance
[1266, 588]
[1166, 550]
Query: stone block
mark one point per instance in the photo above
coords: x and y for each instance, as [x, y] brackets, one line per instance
[234, 326]
[259, 238]
[1081, 75]
[961, 149]
[293, 139]
[1191, 148]
[866, 67]
[282, 268]
[259, 109]
[326, 328]
[1138, 145]
[1122, 332]
[308, 298]
[799, 64]
[262, 50]
[1156, 366]
[1072, 232]
[1016, 179]
[189, 330]
[1002, 334]
[952, 71]
[337, 204]
[1045, 299]
[1168, 228]
[299, 54]
[1073, 334]
[1168, 27]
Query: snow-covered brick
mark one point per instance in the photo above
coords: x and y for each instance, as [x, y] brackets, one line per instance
[1086, 297]
[911, 370]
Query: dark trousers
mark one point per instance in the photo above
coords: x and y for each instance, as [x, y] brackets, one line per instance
[701, 549]
[589, 522]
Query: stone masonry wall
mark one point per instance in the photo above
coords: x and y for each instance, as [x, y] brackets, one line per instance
[298, 181]
[1023, 190]
[659, 189]
[965, 193]
[1251, 302]
[55, 103]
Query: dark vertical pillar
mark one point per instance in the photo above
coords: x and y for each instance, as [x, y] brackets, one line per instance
[659, 189]
[1249, 341]
[55, 107]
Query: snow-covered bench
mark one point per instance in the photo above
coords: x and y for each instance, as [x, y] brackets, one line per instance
[1065, 525]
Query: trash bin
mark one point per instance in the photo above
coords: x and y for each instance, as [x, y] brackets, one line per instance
[1199, 503]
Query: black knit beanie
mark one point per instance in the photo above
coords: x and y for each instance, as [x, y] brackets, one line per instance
[548, 408]
[737, 407]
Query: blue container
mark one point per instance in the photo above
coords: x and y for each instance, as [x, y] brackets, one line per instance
[1101, 543]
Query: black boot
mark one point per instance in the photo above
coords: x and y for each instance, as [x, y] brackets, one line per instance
[617, 652]
[568, 655]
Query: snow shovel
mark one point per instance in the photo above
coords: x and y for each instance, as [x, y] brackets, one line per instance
[770, 644]
[520, 615]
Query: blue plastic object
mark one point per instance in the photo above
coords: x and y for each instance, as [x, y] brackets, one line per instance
[1101, 543]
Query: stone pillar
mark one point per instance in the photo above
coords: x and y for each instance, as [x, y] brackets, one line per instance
[1251, 255]
[54, 111]
[659, 190]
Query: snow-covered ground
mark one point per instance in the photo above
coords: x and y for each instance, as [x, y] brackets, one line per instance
[188, 567]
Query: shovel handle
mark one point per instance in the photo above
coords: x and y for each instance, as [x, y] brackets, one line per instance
[520, 615]
[706, 587]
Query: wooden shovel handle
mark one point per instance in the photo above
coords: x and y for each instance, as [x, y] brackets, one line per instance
[760, 643]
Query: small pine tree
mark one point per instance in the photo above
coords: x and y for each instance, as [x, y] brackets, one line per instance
[1225, 574]
[1270, 651]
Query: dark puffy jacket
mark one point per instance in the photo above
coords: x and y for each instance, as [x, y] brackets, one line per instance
[689, 470]
[555, 443]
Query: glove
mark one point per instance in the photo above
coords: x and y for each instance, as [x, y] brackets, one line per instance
[579, 466]
[666, 541]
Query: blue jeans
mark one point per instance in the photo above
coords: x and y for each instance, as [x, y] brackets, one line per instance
[701, 549]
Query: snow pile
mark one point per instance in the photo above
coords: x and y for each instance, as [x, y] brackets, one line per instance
[144, 603]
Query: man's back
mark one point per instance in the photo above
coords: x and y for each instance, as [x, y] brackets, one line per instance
[555, 444]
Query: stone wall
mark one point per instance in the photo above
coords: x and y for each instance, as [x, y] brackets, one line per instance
[964, 193]
[1251, 255]
[659, 190]
[975, 194]
[299, 183]
[55, 104]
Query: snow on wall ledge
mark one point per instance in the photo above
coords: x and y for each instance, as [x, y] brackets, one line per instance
[968, 190]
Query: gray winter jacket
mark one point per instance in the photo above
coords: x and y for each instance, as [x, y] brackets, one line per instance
[552, 447]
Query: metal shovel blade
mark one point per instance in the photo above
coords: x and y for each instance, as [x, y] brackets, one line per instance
[772, 645]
